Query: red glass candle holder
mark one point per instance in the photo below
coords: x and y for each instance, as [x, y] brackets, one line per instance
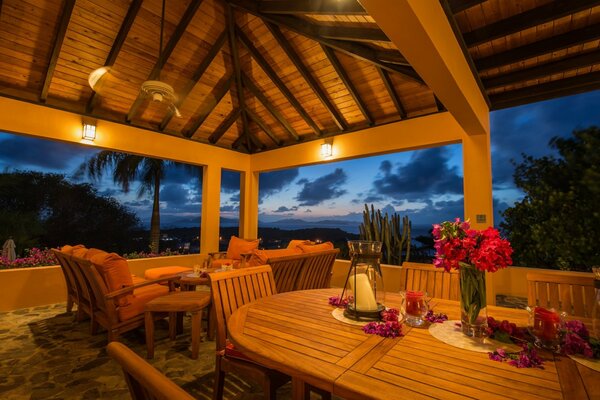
[545, 327]
[415, 307]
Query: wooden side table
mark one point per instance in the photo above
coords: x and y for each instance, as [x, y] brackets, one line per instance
[178, 302]
[188, 282]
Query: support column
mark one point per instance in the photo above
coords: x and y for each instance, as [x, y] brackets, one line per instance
[211, 208]
[249, 205]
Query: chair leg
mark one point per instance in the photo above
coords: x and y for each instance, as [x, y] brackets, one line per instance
[269, 389]
[172, 325]
[80, 316]
[196, 332]
[149, 328]
[69, 304]
[113, 336]
[219, 380]
[94, 327]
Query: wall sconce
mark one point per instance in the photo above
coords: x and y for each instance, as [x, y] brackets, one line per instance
[89, 130]
[327, 148]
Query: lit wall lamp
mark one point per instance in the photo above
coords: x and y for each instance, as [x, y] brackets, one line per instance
[327, 148]
[89, 129]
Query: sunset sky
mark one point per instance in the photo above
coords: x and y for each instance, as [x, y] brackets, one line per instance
[425, 184]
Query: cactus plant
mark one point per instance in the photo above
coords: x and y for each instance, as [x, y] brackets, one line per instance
[391, 231]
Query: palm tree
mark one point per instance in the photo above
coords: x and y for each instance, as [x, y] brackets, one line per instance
[127, 168]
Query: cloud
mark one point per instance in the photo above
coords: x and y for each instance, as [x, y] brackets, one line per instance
[324, 188]
[274, 182]
[283, 209]
[230, 208]
[183, 173]
[173, 193]
[230, 181]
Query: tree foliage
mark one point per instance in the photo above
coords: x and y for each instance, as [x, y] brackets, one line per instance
[557, 224]
[40, 210]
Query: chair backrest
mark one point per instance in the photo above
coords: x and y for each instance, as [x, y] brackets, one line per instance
[286, 270]
[97, 287]
[144, 381]
[70, 280]
[233, 289]
[571, 292]
[316, 271]
[435, 281]
[85, 293]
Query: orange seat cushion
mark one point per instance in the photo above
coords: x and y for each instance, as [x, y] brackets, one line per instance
[93, 252]
[260, 257]
[156, 273]
[231, 351]
[239, 246]
[138, 300]
[79, 252]
[137, 279]
[295, 243]
[115, 271]
[68, 249]
[313, 248]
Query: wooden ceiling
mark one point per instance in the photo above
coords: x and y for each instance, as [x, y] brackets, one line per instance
[257, 75]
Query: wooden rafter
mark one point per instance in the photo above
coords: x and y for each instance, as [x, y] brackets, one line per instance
[208, 106]
[132, 12]
[389, 86]
[545, 46]
[166, 53]
[547, 69]
[214, 50]
[325, 7]
[527, 19]
[351, 33]
[337, 65]
[248, 84]
[61, 31]
[394, 60]
[263, 126]
[461, 5]
[312, 82]
[224, 126]
[549, 90]
[266, 67]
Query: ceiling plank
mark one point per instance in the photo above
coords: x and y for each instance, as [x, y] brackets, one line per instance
[547, 69]
[266, 67]
[527, 19]
[312, 82]
[132, 12]
[208, 106]
[348, 83]
[540, 47]
[263, 126]
[324, 7]
[460, 5]
[392, 92]
[395, 61]
[225, 125]
[166, 53]
[545, 91]
[248, 84]
[61, 31]
[350, 33]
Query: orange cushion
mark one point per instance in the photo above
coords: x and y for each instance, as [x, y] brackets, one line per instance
[67, 249]
[79, 252]
[260, 257]
[219, 262]
[313, 248]
[156, 273]
[93, 252]
[114, 270]
[238, 246]
[137, 279]
[295, 243]
[231, 351]
[138, 300]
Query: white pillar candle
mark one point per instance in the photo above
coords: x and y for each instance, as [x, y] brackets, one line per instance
[365, 299]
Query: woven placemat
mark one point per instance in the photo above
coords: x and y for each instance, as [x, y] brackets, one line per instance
[449, 333]
[592, 363]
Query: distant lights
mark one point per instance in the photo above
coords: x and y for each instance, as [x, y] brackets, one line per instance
[89, 129]
[327, 148]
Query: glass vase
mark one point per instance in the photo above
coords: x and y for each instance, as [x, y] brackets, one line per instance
[473, 310]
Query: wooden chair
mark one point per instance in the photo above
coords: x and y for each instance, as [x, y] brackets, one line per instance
[72, 292]
[144, 381]
[316, 271]
[230, 291]
[570, 292]
[435, 281]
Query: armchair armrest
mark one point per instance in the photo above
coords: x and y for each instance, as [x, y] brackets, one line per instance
[215, 255]
[130, 289]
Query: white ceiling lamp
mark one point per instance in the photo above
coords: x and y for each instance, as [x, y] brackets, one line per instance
[327, 148]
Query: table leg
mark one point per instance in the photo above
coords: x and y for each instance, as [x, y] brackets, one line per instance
[149, 327]
[180, 316]
[299, 391]
[172, 325]
[196, 332]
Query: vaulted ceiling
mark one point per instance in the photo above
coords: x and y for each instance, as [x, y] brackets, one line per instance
[256, 75]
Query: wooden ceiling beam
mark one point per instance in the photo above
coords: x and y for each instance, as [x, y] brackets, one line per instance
[460, 5]
[543, 70]
[395, 62]
[214, 50]
[323, 7]
[545, 91]
[132, 12]
[337, 65]
[389, 86]
[263, 126]
[540, 47]
[225, 125]
[312, 82]
[355, 34]
[527, 19]
[266, 67]
[248, 84]
[59, 37]
[166, 53]
[208, 106]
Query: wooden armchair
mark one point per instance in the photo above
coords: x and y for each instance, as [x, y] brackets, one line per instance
[435, 281]
[144, 381]
[303, 271]
[238, 251]
[120, 310]
[70, 281]
[570, 292]
[230, 291]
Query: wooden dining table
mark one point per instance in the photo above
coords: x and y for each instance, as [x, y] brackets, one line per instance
[295, 333]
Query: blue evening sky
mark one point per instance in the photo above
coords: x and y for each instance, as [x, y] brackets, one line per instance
[425, 184]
